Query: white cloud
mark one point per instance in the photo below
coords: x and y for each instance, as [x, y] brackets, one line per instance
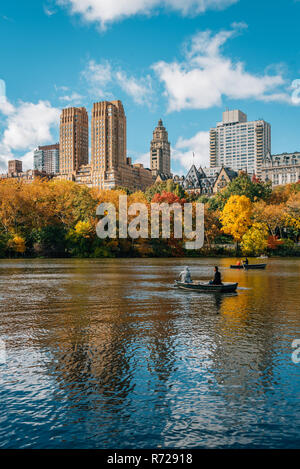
[107, 11]
[143, 159]
[27, 125]
[74, 98]
[206, 75]
[98, 77]
[139, 90]
[102, 77]
[48, 11]
[190, 151]
[6, 107]
[30, 125]
[2, 89]
[27, 160]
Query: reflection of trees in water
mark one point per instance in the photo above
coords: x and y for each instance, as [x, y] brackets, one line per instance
[247, 339]
[161, 344]
[93, 365]
[94, 348]
[93, 353]
[103, 329]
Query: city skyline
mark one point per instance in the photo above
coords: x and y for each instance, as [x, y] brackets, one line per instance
[186, 71]
[108, 166]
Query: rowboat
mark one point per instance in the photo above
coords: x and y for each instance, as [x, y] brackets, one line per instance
[255, 266]
[249, 266]
[206, 287]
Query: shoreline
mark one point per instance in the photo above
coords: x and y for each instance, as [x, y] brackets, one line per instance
[204, 256]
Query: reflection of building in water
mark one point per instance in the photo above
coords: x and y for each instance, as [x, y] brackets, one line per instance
[106, 348]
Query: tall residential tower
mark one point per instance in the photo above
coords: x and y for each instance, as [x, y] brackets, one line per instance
[239, 144]
[46, 159]
[74, 139]
[160, 152]
[108, 135]
[109, 166]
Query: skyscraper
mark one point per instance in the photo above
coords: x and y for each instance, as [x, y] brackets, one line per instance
[74, 139]
[109, 166]
[239, 144]
[160, 152]
[108, 135]
[46, 159]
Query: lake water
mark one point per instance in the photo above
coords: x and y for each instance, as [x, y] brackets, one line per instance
[107, 354]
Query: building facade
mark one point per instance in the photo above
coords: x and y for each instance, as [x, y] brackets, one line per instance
[239, 144]
[196, 182]
[223, 178]
[202, 181]
[160, 151]
[109, 166]
[74, 140]
[14, 167]
[281, 169]
[46, 159]
[15, 171]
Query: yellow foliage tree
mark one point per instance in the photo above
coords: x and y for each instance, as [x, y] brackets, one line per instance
[255, 241]
[272, 215]
[83, 229]
[17, 244]
[236, 216]
[292, 217]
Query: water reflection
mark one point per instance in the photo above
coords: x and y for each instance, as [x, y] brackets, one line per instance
[109, 354]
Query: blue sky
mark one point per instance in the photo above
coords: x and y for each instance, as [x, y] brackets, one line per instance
[182, 60]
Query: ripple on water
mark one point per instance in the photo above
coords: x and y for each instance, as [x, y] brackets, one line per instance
[107, 354]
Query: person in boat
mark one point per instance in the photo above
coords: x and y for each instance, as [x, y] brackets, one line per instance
[238, 263]
[185, 276]
[217, 278]
[246, 262]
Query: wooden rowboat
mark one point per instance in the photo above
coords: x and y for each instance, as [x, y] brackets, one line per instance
[255, 266]
[249, 266]
[206, 287]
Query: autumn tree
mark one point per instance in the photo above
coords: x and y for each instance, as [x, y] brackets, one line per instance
[292, 217]
[242, 185]
[272, 215]
[17, 244]
[236, 217]
[255, 240]
[212, 225]
[168, 197]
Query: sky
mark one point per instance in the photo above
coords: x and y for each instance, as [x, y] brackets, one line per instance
[184, 61]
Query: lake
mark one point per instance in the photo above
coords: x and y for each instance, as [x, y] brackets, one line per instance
[108, 354]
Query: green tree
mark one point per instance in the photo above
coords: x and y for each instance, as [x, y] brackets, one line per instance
[242, 185]
[49, 241]
[255, 240]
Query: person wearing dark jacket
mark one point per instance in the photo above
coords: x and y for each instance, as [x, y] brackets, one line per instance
[217, 278]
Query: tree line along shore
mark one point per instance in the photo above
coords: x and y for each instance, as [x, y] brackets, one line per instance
[58, 219]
